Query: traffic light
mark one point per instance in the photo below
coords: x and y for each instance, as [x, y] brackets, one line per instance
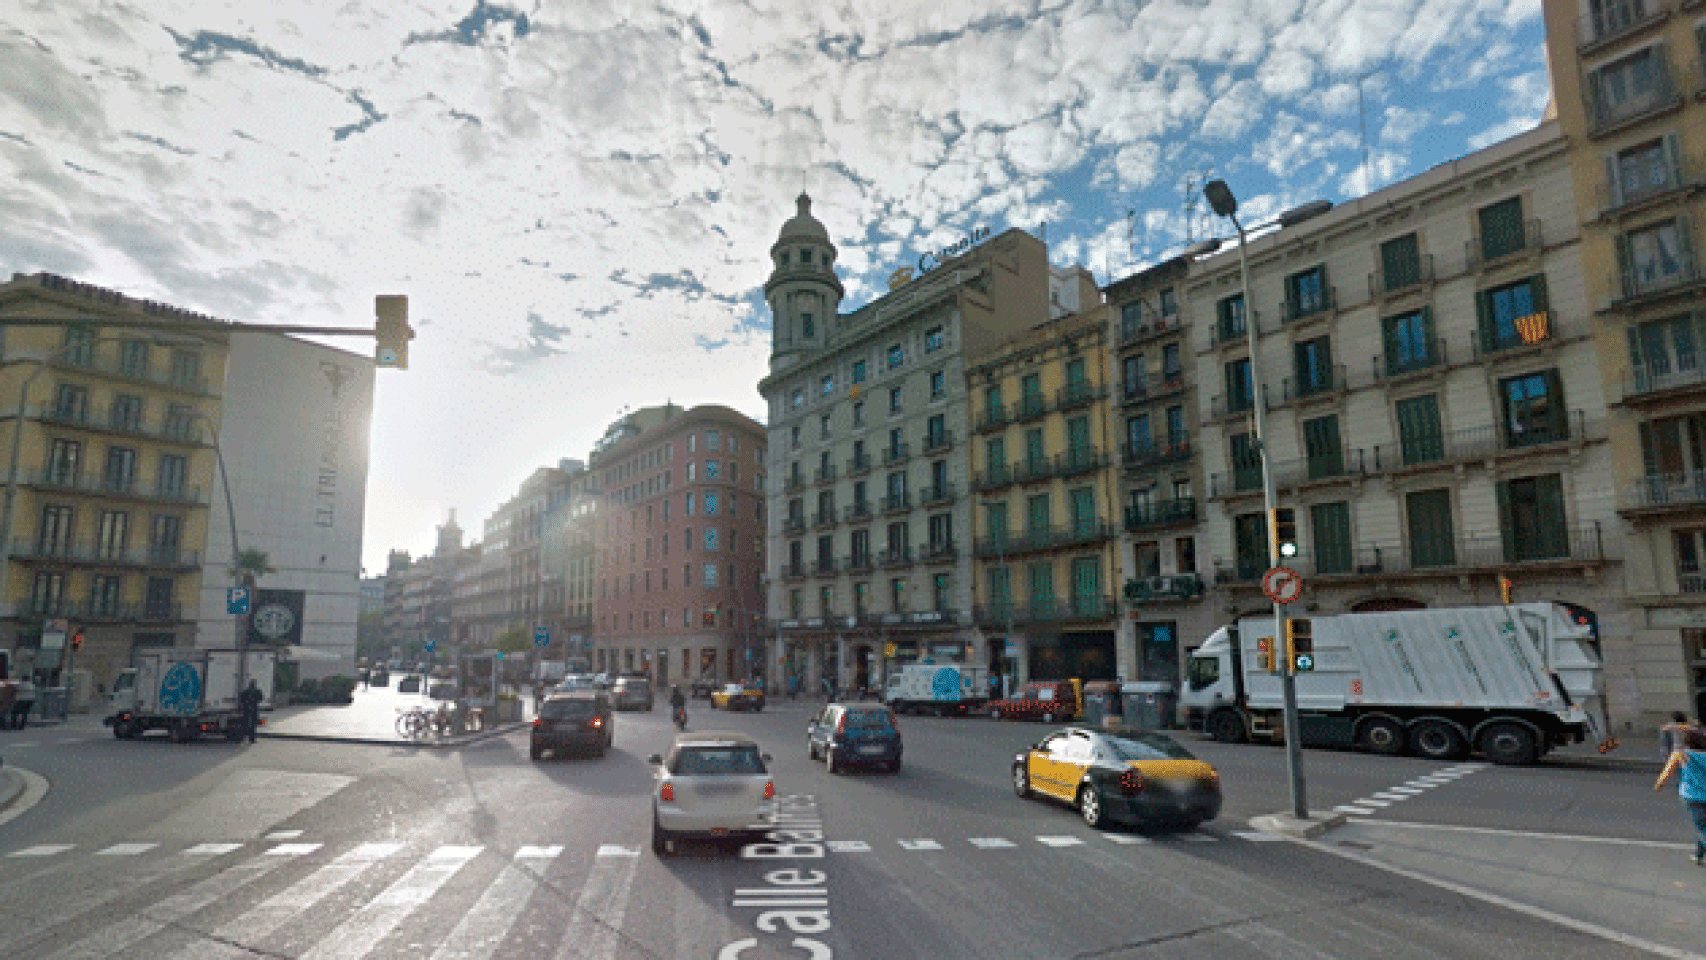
[1265, 653]
[1505, 590]
[1300, 644]
[391, 332]
[1285, 533]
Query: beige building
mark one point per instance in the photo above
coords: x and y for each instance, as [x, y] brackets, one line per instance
[1629, 79]
[107, 506]
[1436, 418]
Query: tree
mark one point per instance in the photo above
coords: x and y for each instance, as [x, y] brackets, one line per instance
[370, 636]
[514, 640]
[251, 565]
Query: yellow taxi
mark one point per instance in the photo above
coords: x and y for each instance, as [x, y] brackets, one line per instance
[738, 696]
[1135, 777]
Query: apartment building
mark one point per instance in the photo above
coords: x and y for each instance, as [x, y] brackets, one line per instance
[680, 544]
[1629, 79]
[1160, 471]
[1436, 420]
[569, 562]
[1045, 490]
[420, 595]
[106, 513]
[869, 520]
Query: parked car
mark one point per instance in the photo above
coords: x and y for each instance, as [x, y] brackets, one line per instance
[632, 693]
[738, 696]
[711, 785]
[703, 688]
[1134, 778]
[860, 734]
[581, 720]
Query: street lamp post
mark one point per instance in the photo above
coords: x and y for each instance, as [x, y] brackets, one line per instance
[1221, 199]
[237, 577]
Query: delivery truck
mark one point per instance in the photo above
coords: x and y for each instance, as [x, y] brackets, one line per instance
[938, 688]
[1511, 682]
[187, 693]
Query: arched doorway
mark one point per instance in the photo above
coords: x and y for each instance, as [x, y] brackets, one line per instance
[1388, 605]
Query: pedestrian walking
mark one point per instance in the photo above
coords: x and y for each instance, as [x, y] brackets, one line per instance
[793, 687]
[1690, 760]
[249, 705]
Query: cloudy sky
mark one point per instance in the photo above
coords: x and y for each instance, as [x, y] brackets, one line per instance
[578, 196]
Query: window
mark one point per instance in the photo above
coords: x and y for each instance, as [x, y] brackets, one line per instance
[828, 384]
[1229, 314]
[710, 503]
[1177, 438]
[1321, 447]
[133, 358]
[71, 402]
[894, 400]
[859, 414]
[1037, 514]
[1646, 170]
[1513, 315]
[938, 385]
[1250, 540]
[1690, 547]
[1432, 543]
[172, 470]
[1169, 303]
[1307, 293]
[692, 471]
[1185, 554]
[823, 427]
[689, 505]
[897, 355]
[1031, 392]
[1083, 512]
[899, 538]
[1172, 367]
[992, 402]
[186, 371]
[1000, 581]
[1532, 519]
[126, 412]
[941, 531]
[112, 534]
[1075, 373]
[995, 454]
[157, 601]
[177, 423]
[806, 257]
[713, 440]
[798, 398]
[1131, 317]
[1409, 342]
[995, 521]
[1655, 258]
[1630, 86]
[80, 346]
[1419, 435]
[1137, 435]
[1502, 231]
[47, 593]
[1314, 366]
[1666, 352]
[936, 431]
[1036, 460]
[1087, 587]
[54, 539]
[1042, 589]
[941, 592]
[711, 469]
[1078, 440]
[1534, 409]
[105, 594]
[1400, 263]
[858, 371]
[933, 340]
[710, 575]
[120, 472]
[808, 329]
[1246, 462]
[1240, 393]
[1331, 525]
[897, 594]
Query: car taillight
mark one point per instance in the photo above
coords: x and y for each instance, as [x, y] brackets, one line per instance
[1131, 783]
[841, 724]
[598, 721]
[538, 721]
[667, 794]
[769, 789]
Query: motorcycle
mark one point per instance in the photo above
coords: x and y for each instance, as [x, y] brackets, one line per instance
[681, 718]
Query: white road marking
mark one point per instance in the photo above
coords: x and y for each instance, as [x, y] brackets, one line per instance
[363, 930]
[1427, 783]
[1199, 838]
[1366, 802]
[1126, 838]
[284, 835]
[1497, 832]
[849, 846]
[1358, 811]
[1391, 797]
[42, 850]
[919, 844]
[293, 849]
[75, 740]
[1060, 841]
[599, 911]
[212, 849]
[1257, 836]
[25, 743]
[1404, 791]
[126, 849]
[483, 928]
[991, 843]
[615, 850]
[540, 853]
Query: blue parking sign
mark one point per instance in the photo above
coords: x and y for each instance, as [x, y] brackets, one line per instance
[237, 601]
[541, 636]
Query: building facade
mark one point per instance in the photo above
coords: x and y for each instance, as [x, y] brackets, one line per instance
[1629, 80]
[680, 545]
[870, 523]
[569, 562]
[1434, 412]
[106, 517]
[1045, 491]
[1161, 472]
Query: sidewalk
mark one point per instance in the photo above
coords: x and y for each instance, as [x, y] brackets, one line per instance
[371, 718]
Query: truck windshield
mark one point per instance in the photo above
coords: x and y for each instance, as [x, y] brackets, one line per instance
[1204, 672]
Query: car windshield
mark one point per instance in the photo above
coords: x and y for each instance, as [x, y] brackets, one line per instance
[718, 762]
[568, 710]
[734, 688]
[1147, 746]
[869, 719]
[1041, 693]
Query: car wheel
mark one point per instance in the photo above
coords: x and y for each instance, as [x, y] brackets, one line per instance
[829, 764]
[1227, 727]
[660, 839]
[894, 766]
[1437, 740]
[1090, 805]
[1382, 736]
[995, 714]
[1509, 744]
[1021, 781]
[1048, 717]
[811, 751]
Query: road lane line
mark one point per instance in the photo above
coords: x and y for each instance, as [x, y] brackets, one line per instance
[919, 844]
[1404, 791]
[212, 849]
[992, 843]
[46, 913]
[1366, 802]
[263, 919]
[848, 846]
[363, 930]
[482, 929]
[1391, 797]
[284, 835]
[592, 933]
[616, 850]
[1499, 832]
[126, 849]
[1257, 836]
[43, 850]
[1126, 839]
[1061, 841]
[293, 849]
[1359, 811]
[538, 853]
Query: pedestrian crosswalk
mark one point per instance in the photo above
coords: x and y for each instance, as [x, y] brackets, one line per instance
[316, 899]
[1414, 787]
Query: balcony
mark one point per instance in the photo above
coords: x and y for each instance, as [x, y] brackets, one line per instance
[93, 555]
[938, 442]
[97, 612]
[896, 503]
[824, 474]
[1615, 21]
[1033, 470]
[895, 558]
[824, 519]
[1654, 382]
[793, 572]
[1628, 195]
[860, 563]
[1325, 382]
[1132, 334]
[895, 454]
[1640, 284]
[1497, 248]
[994, 478]
[1483, 443]
[1535, 329]
[859, 512]
[184, 433]
[823, 567]
[1160, 514]
[934, 553]
[859, 465]
[1166, 589]
[91, 363]
[1295, 310]
[1075, 395]
[126, 488]
[1426, 355]
[1080, 461]
[1152, 453]
[1046, 538]
[993, 419]
[793, 484]
[1230, 331]
[1030, 408]
[1608, 113]
[1044, 610]
[1662, 494]
[1581, 545]
[937, 493]
[1409, 278]
[1145, 390]
[1225, 407]
[794, 524]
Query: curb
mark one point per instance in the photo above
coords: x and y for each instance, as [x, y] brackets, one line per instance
[1287, 825]
[22, 789]
[379, 742]
[11, 786]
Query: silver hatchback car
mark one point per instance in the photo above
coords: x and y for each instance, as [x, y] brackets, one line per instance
[714, 786]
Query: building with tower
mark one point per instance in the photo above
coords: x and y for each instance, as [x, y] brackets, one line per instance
[869, 527]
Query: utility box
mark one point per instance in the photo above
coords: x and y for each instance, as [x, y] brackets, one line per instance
[1149, 704]
[1102, 704]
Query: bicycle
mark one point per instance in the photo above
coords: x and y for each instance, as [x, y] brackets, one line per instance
[413, 723]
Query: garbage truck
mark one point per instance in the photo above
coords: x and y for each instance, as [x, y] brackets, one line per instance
[938, 688]
[187, 693]
[1510, 682]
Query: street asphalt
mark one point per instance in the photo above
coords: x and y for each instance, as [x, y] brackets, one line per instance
[309, 849]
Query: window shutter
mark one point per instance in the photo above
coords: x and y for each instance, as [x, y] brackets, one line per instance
[1554, 532]
[1623, 274]
[1507, 528]
[1557, 414]
[1673, 161]
[1649, 450]
[1542, 304]
[1637, 358]
[1484, 320]
[1613, 180]
[1684, 232]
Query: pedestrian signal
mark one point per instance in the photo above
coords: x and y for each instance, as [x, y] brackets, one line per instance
[1265, 653]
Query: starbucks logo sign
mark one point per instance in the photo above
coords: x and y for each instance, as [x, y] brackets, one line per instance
[274, 621]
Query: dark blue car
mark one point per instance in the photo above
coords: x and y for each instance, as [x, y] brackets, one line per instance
[859, 734]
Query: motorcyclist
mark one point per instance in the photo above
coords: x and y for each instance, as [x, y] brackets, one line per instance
[678, 704]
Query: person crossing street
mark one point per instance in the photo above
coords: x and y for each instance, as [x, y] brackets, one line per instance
[249, 706]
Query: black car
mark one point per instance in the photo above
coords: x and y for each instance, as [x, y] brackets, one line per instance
[581, 720]
[855, 734]
[702, 688]
[632, 693]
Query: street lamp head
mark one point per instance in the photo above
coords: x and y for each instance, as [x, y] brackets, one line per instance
[1220, 198]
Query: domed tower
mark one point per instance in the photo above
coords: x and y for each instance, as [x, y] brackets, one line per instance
[803, 291]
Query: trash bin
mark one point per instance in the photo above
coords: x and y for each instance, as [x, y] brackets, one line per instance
[1149, 704]
[1101, 703]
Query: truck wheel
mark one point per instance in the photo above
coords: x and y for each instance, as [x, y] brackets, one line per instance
[1227, 727]
[1048, 716]
[1511, 744]
[1382, 736]
[121, 729]
[183, 731]
[1438, 740]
